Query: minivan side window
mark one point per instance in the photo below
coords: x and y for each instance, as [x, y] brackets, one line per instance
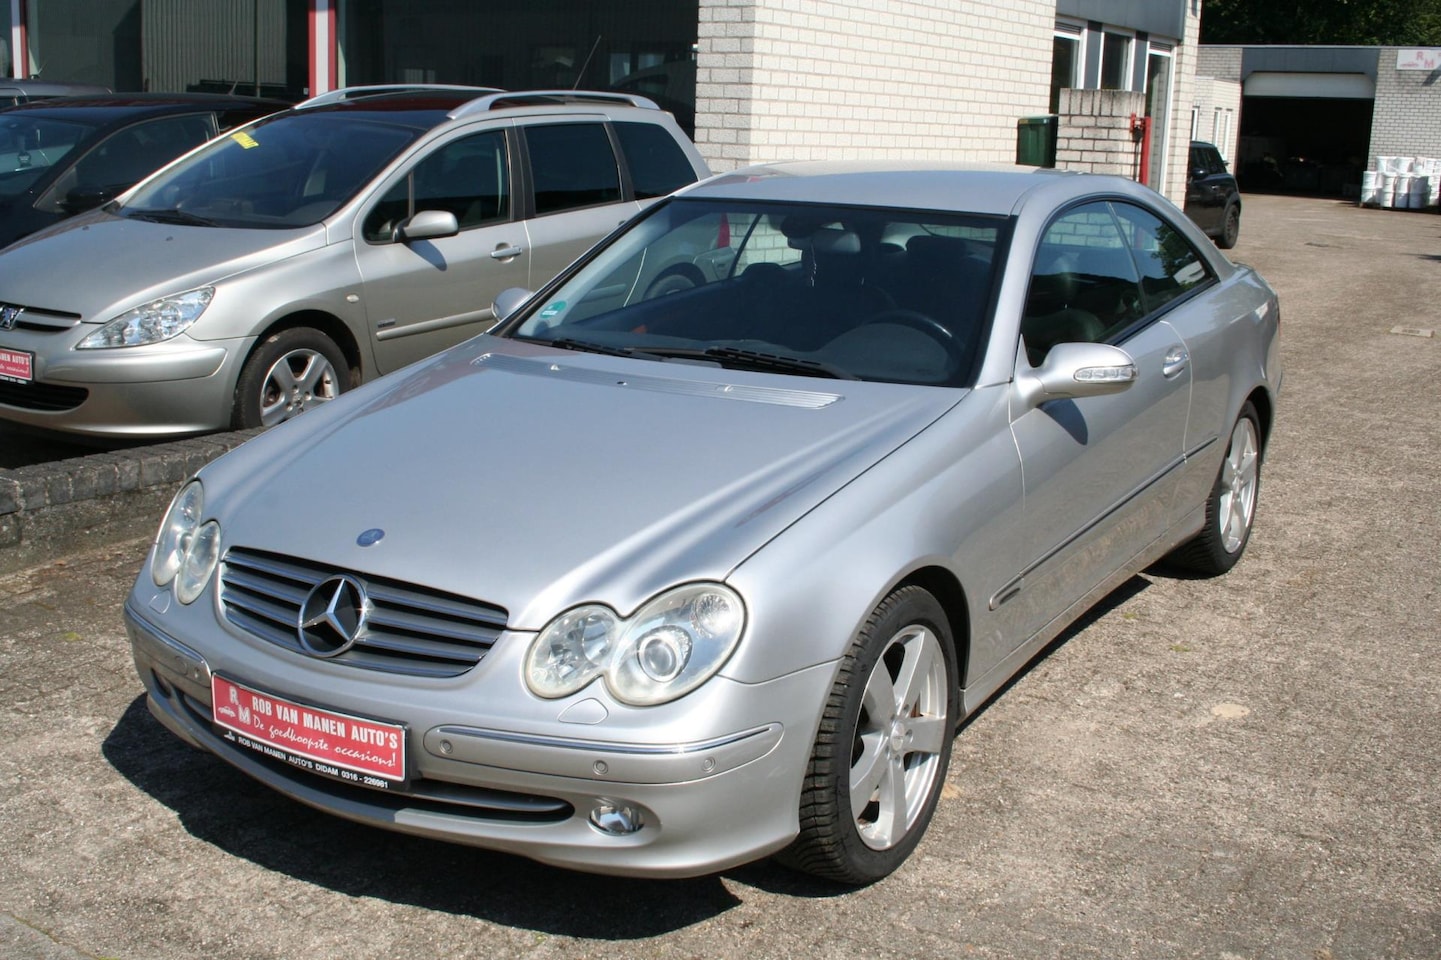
[657, 164]
[468, 177]
[571, 165]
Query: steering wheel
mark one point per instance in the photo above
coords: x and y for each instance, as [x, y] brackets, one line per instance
[924, 323]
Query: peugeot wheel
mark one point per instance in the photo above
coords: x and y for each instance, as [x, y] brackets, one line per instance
[288, 373]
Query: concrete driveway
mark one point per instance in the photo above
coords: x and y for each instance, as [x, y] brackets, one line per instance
[1245, 767]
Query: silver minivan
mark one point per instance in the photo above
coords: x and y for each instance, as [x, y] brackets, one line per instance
[279, 265]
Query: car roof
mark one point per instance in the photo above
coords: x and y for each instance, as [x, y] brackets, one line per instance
[110, 108]
[961, 188]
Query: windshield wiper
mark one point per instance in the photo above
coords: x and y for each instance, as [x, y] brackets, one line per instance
[173, 215]
[586, 346]
[739, 357]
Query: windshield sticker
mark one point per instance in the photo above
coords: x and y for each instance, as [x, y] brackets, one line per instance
[553, 310]
[244, 139]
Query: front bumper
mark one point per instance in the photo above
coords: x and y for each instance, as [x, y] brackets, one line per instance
[178, 387]
[724, 797]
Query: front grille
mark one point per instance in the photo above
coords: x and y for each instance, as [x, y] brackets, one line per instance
[410, 630]
[41, 319]
[41, 396]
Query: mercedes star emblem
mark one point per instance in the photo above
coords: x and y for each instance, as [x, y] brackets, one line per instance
[333, 616]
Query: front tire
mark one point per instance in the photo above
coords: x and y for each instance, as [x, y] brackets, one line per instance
[289, 372]
[884, 743]
[1231, 506]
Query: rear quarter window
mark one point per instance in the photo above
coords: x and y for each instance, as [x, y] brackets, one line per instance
[657, 163]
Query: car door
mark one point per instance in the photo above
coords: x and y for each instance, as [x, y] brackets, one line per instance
[1099, 472]
[576, 191]
[422, 296]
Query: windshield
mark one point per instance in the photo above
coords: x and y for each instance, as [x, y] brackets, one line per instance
[30, 146]
[848, 292]
[289, 171]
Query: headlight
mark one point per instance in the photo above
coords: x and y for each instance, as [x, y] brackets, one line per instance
[186, 551]
[672, 645]
[153, 322]
[176, 531]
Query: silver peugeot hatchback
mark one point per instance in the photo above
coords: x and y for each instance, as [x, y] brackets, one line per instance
[662, 577]
[319, 248]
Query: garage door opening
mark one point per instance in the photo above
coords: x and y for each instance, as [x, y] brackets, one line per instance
[1305, 145]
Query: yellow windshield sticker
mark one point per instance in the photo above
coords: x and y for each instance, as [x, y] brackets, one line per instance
[244, 139]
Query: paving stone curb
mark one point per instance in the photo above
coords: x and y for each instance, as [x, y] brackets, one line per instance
[49, 509]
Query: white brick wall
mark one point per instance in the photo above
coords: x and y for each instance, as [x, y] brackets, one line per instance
[1407, 117]
[838, 79]
[1095, 132]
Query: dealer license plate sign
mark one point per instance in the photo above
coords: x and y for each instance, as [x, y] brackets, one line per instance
[17, 365]
[364, 752]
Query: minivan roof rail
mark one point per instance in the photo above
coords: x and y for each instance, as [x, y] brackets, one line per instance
[377, 89]
[502, 99]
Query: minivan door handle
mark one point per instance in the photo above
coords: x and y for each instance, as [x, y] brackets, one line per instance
[506, 253]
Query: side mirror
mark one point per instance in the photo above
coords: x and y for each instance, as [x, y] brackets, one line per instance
[86, 198]
[428, 225]
[508, 301]
[1074, 370]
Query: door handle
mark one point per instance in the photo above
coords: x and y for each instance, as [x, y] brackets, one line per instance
[1175, 362]
[505, 253]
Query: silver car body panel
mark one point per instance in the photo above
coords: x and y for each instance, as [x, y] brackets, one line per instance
[538, 479]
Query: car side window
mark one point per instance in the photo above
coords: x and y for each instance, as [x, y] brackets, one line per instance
[1169, 266]
[130, 154]
[657, 163]
[468, 177]
[126, 157]
[1084, 287]
[571, 165]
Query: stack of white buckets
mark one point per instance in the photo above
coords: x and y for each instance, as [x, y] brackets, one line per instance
[1404, 183]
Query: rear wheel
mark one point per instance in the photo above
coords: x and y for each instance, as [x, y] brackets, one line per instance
[289, 372]
[1230, 228]
[880, 756]
[1231, 507]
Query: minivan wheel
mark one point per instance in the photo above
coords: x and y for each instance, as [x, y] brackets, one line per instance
[289, 372]
[1230, 228]
[884, 742]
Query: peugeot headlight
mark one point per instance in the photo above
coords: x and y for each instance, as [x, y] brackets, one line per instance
[186, 551]
[153, 322]
[672, 645]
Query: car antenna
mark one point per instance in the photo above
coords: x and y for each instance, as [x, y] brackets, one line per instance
[586, 63]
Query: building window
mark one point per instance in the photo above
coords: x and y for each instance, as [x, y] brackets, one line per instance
[1221, 131]
[1065, 62]
[1115, 62]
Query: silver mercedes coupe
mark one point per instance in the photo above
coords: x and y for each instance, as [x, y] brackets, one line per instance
[704, 552]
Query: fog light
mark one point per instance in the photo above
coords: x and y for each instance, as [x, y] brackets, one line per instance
[615, 819]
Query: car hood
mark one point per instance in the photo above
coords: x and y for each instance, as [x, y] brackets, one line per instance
[127, 262]
[536, 479]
